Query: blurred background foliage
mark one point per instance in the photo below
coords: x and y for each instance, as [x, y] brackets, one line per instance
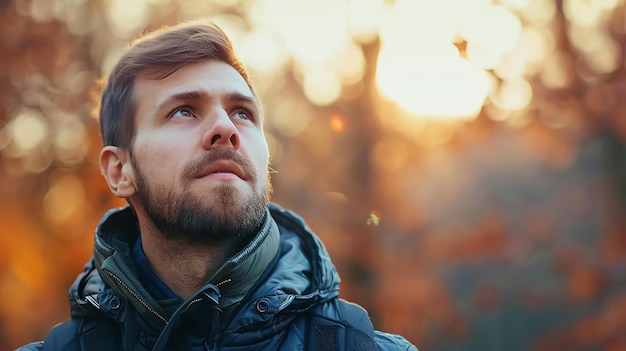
[464, 161]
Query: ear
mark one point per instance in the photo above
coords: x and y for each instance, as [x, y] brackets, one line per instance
[118, 171]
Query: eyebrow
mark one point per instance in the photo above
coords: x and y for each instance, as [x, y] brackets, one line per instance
[249, 102]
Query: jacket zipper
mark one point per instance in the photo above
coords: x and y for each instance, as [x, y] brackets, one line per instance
[134, 294]
[145, 304]
[223, 282]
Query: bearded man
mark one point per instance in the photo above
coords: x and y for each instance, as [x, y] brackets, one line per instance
[200, 259]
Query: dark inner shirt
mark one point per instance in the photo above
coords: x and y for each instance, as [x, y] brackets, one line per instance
[148, 278]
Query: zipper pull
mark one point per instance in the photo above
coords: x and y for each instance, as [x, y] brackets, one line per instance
[213, 295]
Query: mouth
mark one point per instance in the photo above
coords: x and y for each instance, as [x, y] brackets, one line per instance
[223, 167]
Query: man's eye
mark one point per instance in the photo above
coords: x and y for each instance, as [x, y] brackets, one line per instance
[183, 112]
[242, 115]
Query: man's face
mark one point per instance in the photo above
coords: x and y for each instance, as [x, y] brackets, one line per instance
[199, 155]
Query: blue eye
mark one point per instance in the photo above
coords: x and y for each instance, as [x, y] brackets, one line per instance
[183, 112]
[242, 115]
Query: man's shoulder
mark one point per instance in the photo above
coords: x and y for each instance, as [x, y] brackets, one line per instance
[58, 338]
[359, 331]
[33, 346]
[76, 334]
[286, 217]
[357, 317]
[389, 342]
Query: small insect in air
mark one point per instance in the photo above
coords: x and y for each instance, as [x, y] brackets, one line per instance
[373, 218]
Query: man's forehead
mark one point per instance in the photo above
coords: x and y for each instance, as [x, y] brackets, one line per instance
[209, 77]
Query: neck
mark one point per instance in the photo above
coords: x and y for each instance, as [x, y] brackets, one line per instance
[185, 267]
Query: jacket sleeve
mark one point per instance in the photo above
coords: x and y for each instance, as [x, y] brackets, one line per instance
[63, 336]
[392, 342]
[33, 346]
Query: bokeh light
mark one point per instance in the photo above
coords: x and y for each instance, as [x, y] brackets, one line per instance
[64, 198]
[29, 129]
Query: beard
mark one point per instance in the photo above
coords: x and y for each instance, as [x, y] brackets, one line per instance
[196, 218]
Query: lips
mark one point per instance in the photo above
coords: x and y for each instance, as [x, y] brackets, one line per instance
[223, 166]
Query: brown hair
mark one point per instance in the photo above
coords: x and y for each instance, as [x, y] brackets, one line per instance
[158, 55]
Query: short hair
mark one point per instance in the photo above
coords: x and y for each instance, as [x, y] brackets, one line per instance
[157, 55]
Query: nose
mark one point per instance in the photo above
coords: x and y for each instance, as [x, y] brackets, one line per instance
[221, 132]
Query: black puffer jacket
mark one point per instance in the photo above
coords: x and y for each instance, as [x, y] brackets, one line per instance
[260, 299]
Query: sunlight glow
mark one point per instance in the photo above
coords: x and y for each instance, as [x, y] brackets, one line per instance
[515, 4]
[410, 20]
[364, 19]
[234, 26]
[494, 30]
[430, 79]
[126, 17]
[262, 51]
[298, 24]
[418, 67]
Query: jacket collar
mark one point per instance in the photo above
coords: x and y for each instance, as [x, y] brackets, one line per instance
[114, 239]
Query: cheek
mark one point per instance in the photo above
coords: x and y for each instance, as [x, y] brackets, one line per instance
[261, 158]
[157, 160]
[261, 161]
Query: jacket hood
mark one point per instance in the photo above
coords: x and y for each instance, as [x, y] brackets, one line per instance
[284, 269]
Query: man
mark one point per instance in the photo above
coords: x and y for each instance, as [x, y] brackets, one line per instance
[200, 260]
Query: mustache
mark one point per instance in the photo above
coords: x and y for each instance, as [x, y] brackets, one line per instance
[195, 168]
